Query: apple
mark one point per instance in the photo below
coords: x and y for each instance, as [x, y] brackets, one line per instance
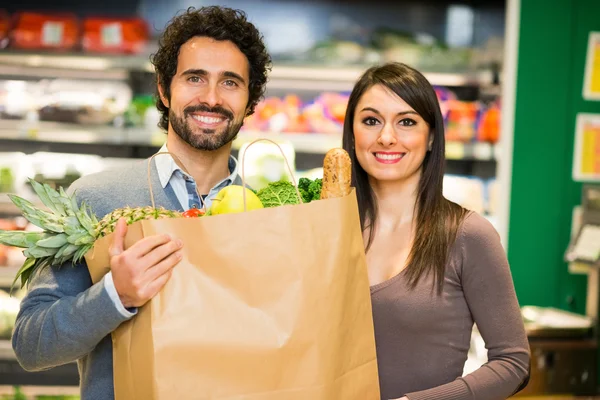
[230, 200]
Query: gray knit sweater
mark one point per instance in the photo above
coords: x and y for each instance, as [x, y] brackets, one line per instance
[64, 318]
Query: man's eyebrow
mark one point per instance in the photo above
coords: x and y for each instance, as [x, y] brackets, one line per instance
[195, 71]
[231, 74]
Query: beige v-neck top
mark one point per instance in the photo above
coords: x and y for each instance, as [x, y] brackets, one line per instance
[423, 339]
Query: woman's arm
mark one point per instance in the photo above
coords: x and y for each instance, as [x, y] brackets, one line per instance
[490, 294]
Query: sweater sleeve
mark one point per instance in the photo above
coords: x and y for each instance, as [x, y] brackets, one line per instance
[62, 317]
[490, 295]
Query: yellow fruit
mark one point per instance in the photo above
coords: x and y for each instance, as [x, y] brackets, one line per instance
[230, 200]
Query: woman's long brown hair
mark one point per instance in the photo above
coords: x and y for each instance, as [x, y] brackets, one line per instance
[437, 219]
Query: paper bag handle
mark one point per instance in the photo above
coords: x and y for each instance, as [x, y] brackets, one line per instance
[178, 161]
[284, 159]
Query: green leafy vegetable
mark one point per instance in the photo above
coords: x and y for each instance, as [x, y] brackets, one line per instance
[309, 189]
[278, 194]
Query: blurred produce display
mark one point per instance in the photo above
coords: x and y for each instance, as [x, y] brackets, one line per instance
[349, 43]
[65, 100]
[68, 32]
[388, 44]
[466, 121]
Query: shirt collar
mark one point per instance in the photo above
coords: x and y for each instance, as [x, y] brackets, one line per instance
[166, 167]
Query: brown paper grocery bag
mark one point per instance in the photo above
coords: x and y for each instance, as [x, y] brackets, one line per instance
[270, 304]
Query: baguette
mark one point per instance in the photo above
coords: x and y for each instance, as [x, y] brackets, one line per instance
[337, 174]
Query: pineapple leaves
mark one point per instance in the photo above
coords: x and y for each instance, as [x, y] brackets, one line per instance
[39, 218]
[21, 239]
[85, 220]
[53, 242]
[69, 228]
[66, 202]
[24, 273]
[48, 196]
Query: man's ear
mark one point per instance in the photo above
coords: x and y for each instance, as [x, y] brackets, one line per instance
[161, 93]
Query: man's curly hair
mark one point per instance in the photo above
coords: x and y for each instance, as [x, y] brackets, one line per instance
[219, 23]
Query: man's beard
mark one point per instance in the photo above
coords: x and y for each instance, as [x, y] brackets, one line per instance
[209, 139]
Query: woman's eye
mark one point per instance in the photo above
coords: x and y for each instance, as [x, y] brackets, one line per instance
[407, 122]
[370, 121]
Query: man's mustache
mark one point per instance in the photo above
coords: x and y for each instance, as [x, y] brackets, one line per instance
[204, 108]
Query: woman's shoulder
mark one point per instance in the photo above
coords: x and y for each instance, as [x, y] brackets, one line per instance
[476, 231]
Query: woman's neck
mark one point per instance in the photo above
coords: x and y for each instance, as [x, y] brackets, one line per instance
[396, 203]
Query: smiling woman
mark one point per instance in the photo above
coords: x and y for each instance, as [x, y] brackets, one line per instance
[435, 268]
[384, 122]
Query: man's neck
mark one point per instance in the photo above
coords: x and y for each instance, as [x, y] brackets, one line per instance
[208, 168]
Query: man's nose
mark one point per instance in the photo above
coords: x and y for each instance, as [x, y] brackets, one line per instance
[211, 96]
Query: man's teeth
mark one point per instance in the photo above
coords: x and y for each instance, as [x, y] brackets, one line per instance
[207, 120]
[388, 156]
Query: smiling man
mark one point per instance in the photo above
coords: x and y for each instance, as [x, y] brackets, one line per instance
[211, 69]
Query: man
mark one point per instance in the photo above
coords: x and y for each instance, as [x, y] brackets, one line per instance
[211, 70]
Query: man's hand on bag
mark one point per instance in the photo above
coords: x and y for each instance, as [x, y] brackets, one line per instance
[142, 270]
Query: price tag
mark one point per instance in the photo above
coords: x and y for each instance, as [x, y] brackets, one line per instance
[587, 247]
[483, 151]
[112, 34]
[455, 150]
[52, 33]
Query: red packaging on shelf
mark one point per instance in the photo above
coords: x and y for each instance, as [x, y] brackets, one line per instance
[462, 119]
[4, 28]
[44, 31]
[489, 125]
[114, 35]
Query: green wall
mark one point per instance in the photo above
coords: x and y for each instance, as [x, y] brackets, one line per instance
[552, 49]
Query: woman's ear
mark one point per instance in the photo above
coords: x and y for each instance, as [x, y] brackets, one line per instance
[430, 146]
[161, 93]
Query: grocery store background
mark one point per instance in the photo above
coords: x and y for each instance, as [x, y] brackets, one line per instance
[509, 76]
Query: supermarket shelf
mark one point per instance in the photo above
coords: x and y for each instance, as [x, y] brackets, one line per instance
[283, 75]
[315, 143]
[115, 138]
[74, 61]
[7, 276]
[36, 392]
[55, 137]
[58, 132]
[320, 143]
[6, 351]
[6, 207]
[341, 78]
[13, 375]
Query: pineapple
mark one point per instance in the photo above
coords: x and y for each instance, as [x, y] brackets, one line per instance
[69, 230]
[107, 224]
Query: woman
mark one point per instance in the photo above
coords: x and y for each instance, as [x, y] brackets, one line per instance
[435, 268]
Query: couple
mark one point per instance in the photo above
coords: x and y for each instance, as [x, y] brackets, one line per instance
[434, 267]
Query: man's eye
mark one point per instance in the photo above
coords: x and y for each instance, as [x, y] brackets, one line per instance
[370, 121]
[407, 122]
[194, 79]
[230, 83]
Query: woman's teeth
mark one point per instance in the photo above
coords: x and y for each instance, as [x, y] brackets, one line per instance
[389, 156]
